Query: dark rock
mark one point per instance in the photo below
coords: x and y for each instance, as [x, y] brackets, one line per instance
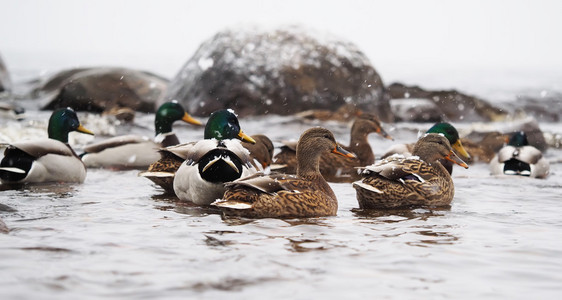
[454, 105]
[102, 89]
[5, 82]
[545, 108]
[281, 72]
[415, 110]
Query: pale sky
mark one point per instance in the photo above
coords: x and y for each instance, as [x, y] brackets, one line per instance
[403, 39]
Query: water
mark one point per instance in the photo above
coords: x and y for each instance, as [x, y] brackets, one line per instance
[116, 236]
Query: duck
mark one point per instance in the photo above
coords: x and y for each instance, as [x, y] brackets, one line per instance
[519, 158]
[206, 164]
[46, 160]
[339, 168]
[261, 152]
[278, 195]
[162, 172]
[133, 151]
[482, 147]
[418, 180]
[448, 130]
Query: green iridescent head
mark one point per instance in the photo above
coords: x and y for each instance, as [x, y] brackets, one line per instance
[168, 113]
[518, 139]
[223, 125]
[451, 133]
[63, 121]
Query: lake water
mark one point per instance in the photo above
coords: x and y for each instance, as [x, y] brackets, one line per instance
[116, 236]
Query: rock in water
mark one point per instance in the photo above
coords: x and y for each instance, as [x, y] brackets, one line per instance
[454, 105]
[283, 72]
[5, 83]
[102, 89]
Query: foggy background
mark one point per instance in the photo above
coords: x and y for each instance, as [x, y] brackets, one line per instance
[444, 44]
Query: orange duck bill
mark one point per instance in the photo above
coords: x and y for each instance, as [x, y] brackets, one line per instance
[341, 151]
[455, 159]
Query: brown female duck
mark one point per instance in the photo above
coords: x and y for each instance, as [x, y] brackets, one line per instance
[419, 180]
[338, 168]
[282, 196]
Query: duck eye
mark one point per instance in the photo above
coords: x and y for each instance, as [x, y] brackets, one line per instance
[327, 136]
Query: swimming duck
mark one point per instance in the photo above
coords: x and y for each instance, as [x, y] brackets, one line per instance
[448, 130]
[276, 195]
[339, 168]
[519, 158]
[132, 151]
[418, 180]
[162, 172]
[46, 160]
[206, 164]
[482, 147]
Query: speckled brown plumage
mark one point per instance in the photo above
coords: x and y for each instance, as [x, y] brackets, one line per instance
[280, 195]
[339, 168]
[404, 182]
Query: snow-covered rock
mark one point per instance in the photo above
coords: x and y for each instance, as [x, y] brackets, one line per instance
[282, 71]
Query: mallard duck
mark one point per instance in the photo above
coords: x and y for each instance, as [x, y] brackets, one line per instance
[305, 194]
[163, 171]
[482, 147]
[339, 168]
[261, 151]
[222, 124]
[208, 163]
[518, 158]
[132, 151]
[46, 160]
[418, 180]
[448, 130]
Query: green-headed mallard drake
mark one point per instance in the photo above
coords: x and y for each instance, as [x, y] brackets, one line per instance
[448, 130]
[46, 160]
[305, 194]
[418, 180]
[206, 164]
[133, 151]
[519, 158]
[339, 168]
[222, 125]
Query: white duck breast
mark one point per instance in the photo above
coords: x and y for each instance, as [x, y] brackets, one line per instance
[122, 152]
[208, 165]
[52, 160]
[525, 161]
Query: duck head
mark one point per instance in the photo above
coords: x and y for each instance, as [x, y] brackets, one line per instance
[168, 113]
[63, 121]
[368, 123]
[518, 139]
[223, 125]
[452, 135]
[434, 146]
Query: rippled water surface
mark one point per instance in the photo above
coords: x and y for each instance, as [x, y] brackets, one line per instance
[116, 236]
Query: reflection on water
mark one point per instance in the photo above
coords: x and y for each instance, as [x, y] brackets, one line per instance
[118, 235]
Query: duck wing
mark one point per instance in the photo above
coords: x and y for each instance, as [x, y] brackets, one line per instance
[400, 169]
[526, 154]
[115, 142]
[41, 147]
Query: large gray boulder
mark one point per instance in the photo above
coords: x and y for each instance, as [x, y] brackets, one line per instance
[102, 89]
[282, 71]
[5, 82]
